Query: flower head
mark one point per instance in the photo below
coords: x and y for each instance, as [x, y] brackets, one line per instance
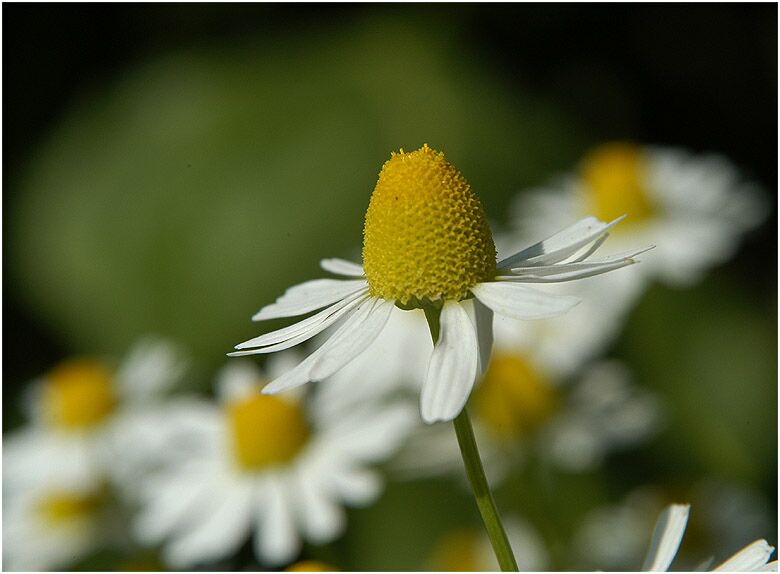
[426, 236]
[47, 528]
[275, 467]
[427, 244]
[695, 208]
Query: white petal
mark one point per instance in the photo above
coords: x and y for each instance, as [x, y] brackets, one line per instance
[453, 366]
[302, 373]
[625, 258]
[237, 380]
[563, 244]
[369, 435]
[309, 296]
[323, 518]
[302, 330]
[750, 559]
[667, 535]
[175, 499]
[342, 267]
[521, 302]
[357, 486]
[483, 316]
[345, 347]
[218, 533]
[562, 272]
[276, 541]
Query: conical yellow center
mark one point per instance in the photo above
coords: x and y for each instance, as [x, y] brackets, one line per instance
[59, 508]
[426, 235]
[79, 394]
[513, 397]
[457, 551]
[614, 176]
[310, 566]
[266, 430]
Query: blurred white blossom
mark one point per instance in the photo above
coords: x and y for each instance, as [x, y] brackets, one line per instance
[278, 468]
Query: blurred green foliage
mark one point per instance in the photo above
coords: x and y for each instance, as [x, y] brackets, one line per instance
[192, 191]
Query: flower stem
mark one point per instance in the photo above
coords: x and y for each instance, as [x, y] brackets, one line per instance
[474, 470]
[482, 494]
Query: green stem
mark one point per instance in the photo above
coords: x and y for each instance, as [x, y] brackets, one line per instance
[474, 470]
[482, 494]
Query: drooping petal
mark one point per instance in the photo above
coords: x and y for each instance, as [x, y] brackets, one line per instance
[667, 535]
[345, 347]
[342, 267]
[453, 366]
[563, 244]
[309, 296]
[302, 330]
[750, 559]
[521, 302]
[351, 328]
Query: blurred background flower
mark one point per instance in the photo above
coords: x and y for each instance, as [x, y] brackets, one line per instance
[171, 168]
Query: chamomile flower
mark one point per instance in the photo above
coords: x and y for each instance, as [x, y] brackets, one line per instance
[427, 245]
[260, 466]
[48, 528]
[667, 537]
[76, 411]
[693, 208]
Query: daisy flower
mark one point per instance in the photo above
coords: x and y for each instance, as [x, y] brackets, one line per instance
[260, 466]
[693, 208]
[48, 528]
[76, 411]
[427, 245]
[667, 537]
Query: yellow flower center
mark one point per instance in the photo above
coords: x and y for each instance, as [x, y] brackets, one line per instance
[310, 566]
[426, 235]
[266, 430]
[59, 508]
[513, 397]
[79, 394]
[614, 175]
[457, 551]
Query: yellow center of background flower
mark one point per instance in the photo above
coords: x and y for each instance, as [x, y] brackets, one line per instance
[266, 430]
[79, 394]
[513, 397]
[310, 566]
[62, 507]
[457, 551]
[426, 235]
[614, 176]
